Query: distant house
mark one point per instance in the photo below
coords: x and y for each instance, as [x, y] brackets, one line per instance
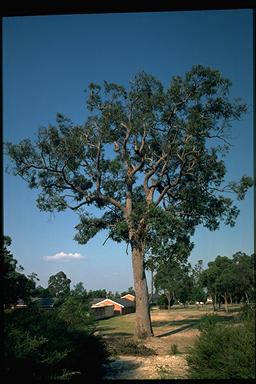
[128, 296]
[102, 311]
[44, 302]
[121, 306]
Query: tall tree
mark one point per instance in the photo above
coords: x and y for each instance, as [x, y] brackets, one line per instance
[173, 279]
[59, 285]
[243, 276]
[147, 157]
[198, 292]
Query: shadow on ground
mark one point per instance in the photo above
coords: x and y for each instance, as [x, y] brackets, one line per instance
[192, 321]
[118, 368]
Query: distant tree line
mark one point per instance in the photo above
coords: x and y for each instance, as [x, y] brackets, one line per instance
[225, 280]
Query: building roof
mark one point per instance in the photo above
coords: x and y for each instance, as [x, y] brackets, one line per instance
[44, 302]
[131, 297]
[122, 302]
[97, 300]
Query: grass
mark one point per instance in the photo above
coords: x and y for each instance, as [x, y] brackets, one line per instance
[162, 320]
[117, 326]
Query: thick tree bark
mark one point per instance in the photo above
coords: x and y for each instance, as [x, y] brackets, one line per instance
[143, 328]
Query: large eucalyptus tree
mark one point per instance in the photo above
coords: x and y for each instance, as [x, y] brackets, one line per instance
[149, 158]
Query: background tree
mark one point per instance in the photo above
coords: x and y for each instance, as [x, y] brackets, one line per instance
[224, 281]
[100, 293]
[59, 285]
[244, 276]
[146, 157]
[130, 291]
[198, 292]
[16, 285]
[40, 291]
[79, 292]
[172, 270]
[227, 278]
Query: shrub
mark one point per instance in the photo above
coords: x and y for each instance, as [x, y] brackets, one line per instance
[248, 312]
[123, 346]
[39, 345]
[207, 322]
[174, 349]
[224, 352]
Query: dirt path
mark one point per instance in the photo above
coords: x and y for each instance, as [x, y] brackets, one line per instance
[160, 366]
[153, 367]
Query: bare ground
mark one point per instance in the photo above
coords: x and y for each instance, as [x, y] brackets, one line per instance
[164, 365]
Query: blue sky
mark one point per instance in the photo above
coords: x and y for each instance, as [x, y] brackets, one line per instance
[48, 61]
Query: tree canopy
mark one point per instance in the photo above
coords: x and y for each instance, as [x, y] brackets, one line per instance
[149, 158]
[59, 285]
[230, 278]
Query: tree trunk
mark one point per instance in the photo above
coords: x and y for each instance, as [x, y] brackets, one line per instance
[143, 328]
[247, 298]
[231, 301]
[168, 295]
[226, 301]
[214, 300]
[152, 283]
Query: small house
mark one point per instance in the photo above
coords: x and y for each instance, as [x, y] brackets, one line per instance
[102, 311]
[121, 306]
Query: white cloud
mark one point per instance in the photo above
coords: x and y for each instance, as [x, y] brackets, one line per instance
[62, 256]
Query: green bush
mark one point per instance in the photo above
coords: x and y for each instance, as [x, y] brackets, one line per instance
[207, 322]
[224, 352]
[174, 349]
[39, 345]
[248, 312]
[123, 346]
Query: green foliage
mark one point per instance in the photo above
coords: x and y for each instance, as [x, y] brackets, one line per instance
[207, 322]
[173, 278]
[59, 285]
[149, 158]
[225, 276]
[223, 352]
[41, 292]
[16, 285]
[163, 302]
[163, 145]
[124, 346]
[174, 349]
[248, 312]
[40, 346]
[75, 312]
